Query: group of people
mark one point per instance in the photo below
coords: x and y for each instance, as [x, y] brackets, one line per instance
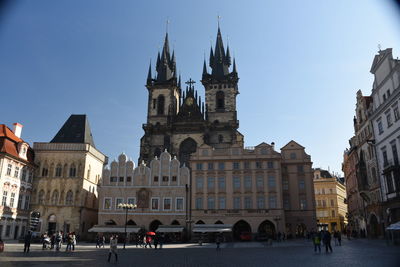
[100, 241]
[325, 238]
[146, 240]
[56, 240]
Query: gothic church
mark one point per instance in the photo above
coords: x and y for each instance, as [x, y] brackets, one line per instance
[178, 120]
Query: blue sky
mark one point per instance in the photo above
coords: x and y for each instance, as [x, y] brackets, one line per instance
[300, 64]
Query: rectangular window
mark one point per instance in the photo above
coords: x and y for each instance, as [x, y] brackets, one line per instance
[331, 191]
[247, 203]
[12, 199]
[323, 203]
[8, 230]
[199, 183]
[165, 178]
[121, 179]
[260, 182]
[389, 119]
[199, 203]
[260, 202]
[301, 185]
[221, 203]
[394, 152]
[174, 178]
[154, 203]
[107, 203]
[167, 203]
[118, 201]
[155, 179]
[199, 166]
[380, 126]
[221, 165]
[179, 204]
[131, 200]
[286, 204]
[247, 165]
[272, 202]
[333, 213]
[285, 184]
[270, 164]
[300, 168]
[9, 168]
[247, 182]
[258, 165]
[113, 179]
[236, 183]
[236, 203]
[128, 179]
[4, 200]
[26, 204]
[303, 204]
[211, 166]
[30, 176]
[396, 113]
[16, 172]
[20, 201]
[385, 158]
[332, 203]
[271, 181]
[210, 183]
[211, 203]
[24, 172]
[221, 184]
[236, 165]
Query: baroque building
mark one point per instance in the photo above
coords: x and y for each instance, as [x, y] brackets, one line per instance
[255, 190]
[65, 185]
[330, 200]
[160, 191]
[16, 175]
[178, 120]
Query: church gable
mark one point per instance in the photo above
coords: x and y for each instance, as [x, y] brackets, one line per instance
[292, 145]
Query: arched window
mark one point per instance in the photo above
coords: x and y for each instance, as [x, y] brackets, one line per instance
[72, 171]
[58, 170]
[41, 197]
[220, 100]
[45, 171]
[88, 173]
[160, 105]
[69, 198]
[54, 198]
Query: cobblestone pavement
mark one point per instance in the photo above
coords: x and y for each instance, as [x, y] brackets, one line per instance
[290, 253]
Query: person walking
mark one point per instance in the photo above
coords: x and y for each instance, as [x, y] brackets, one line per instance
[327, 241]
[335, 237]
[148, 241]
[317, 242]
[102, 241]
[218, 242]
[339, 234]
[113, 248]
[73, 239]
[59, 240]
[27, 241]
[156, 238]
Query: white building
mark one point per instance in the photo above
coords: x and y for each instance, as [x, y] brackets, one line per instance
[16, 173]
[386, 124]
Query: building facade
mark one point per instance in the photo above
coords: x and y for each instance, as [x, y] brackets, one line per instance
[256, 190]
[330, 199]
[65, 185]
[16, 175]
[386, 123]
[159, 190]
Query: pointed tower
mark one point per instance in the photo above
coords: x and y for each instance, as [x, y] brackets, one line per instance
[163, 103]
[221, 87]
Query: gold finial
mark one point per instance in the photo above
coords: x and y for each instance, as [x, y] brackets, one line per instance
[218, 18]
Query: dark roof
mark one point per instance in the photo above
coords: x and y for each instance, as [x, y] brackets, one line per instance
[75, 130]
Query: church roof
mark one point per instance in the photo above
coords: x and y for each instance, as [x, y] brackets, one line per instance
[75, 130]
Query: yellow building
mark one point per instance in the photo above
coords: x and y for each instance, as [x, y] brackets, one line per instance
[330, 195]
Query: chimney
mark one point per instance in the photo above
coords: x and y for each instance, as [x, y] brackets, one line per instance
[17, 129]
[273, 145]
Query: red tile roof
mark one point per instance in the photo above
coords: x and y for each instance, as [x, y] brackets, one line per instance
[9, 144]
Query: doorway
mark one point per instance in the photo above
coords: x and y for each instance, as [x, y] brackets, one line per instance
[16, 229]
[51, 229]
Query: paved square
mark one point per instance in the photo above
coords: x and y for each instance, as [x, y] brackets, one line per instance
[290, 253]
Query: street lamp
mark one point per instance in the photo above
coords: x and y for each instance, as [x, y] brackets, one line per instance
[126, 207]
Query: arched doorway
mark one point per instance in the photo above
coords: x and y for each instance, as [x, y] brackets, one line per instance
[266, 229]
[373, 226]
[130, 222]
[154, 225]
[218, 222]
[301, 230]
[200, 222]
[52, 224]
[241, 230]
[110, 222]
[187, 147]
[175, 222]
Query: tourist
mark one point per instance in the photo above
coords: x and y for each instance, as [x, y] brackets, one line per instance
[52, 241]
[27, 241]
[97, 241]
[339, 234]
[148, 241]
[45, 240]
[326, 238]
[113, 247]
[317, 242]
[335, 237]
[102, 241]
[59, 239]
[73, 237]
[156, 238]
[218, 242]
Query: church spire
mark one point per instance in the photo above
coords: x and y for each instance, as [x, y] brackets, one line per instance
[219, 61]
[234, 71]
[166, 65]
[204, 68]
[149, 79]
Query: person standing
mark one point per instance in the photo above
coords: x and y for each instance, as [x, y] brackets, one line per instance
[327, 241]
[156, 238]
[339, 234]
[317, 242]
[218, 242]
[148, 241]
[27, 241]
[73, 238]
[113, 248]
[59, 240]
[102, 241]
